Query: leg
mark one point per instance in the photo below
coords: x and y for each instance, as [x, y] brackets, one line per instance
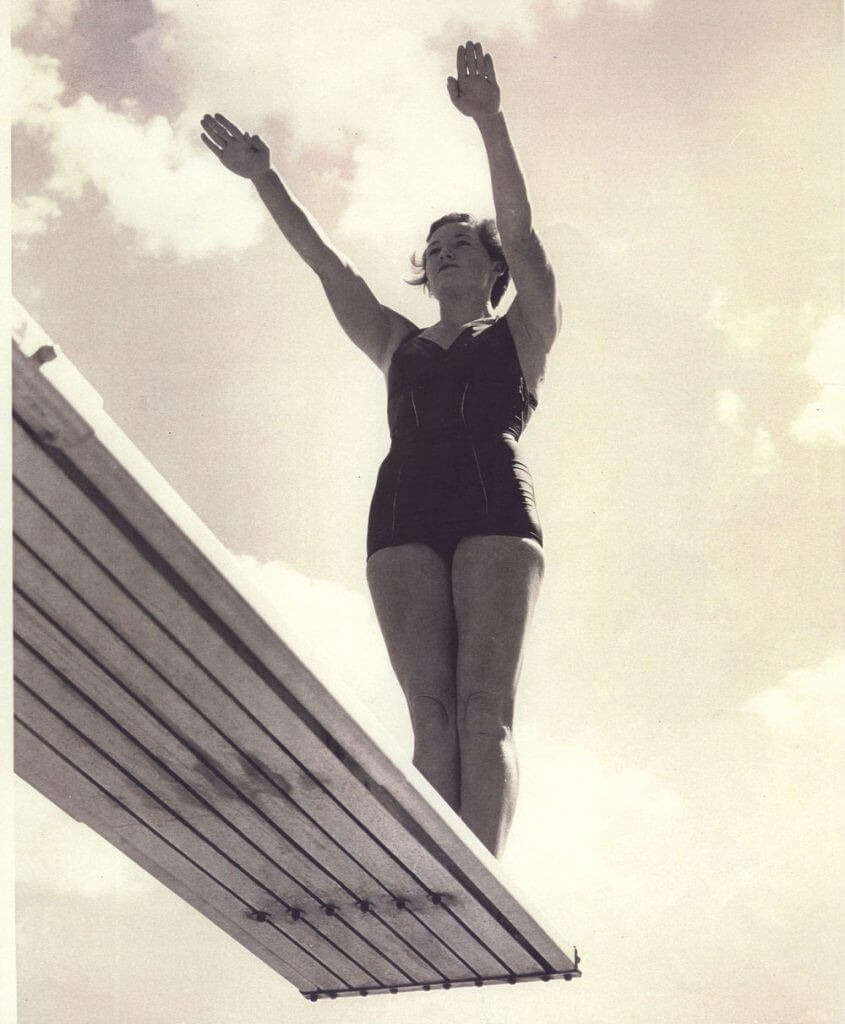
[495, 582]
[412, 593]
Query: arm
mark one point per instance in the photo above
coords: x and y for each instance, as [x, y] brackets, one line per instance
[374, 328]
[536, 311]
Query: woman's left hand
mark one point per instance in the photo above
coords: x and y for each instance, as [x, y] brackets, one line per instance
[475, 92]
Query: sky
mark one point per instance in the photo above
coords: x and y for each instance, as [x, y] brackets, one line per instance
[681, 714]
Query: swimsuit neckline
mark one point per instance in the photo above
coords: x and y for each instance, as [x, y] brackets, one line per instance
[447, 348]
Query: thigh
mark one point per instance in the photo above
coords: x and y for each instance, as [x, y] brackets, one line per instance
[411, 589]
[495, 583]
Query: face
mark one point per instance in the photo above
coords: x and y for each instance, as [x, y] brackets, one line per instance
[455, 257]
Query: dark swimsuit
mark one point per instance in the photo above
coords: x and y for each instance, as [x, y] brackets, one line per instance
[454, 468]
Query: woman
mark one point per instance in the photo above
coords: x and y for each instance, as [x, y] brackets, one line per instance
[454, 545]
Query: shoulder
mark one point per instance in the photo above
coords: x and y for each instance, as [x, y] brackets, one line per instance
[532, 342]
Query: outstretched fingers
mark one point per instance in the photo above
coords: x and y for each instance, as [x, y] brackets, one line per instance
[473, 62]
[215, 131]
[231, 128]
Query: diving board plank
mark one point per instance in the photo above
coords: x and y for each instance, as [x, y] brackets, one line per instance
[89, 748]
[48, 772]
[63, 601]
[294, 881]
[126, 602]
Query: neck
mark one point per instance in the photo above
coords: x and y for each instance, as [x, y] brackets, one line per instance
[461, 309]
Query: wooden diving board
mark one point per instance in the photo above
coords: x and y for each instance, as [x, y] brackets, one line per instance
[155, 703]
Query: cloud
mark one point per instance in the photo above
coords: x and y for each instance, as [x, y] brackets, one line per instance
[154, 181]
[35, 87]
[370, 94]
[371, 91]
[604, 816]
[746, 331]
[32, 216]
[729, 410]
[822, 421]
[306, 612]
[808, 698]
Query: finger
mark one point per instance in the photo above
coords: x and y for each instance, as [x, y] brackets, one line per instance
[229, 126]
[471, 66]
[462, 63]
[452, 86]
[489, 70]
[257, 144]
[479, 59]
[216, 131]
[216, 150]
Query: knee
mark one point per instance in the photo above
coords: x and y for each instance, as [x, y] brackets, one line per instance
[429, 717]
[484, 718]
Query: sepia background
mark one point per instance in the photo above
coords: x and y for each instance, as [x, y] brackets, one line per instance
[681, 719]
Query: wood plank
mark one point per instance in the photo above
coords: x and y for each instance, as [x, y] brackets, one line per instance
[333, 939]
[206, 841]
[211, 872]
[298, 882]
[47, 772]
[277, 792]
[191, 553]
[460, 920]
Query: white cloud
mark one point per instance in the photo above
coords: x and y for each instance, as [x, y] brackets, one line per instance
[35, 87]
[729, 409]
[374, 81]
[589, 802]
[154, 179]
[32, 216]
[309, 611]
[746, 331]
[776, 706]
[808, 697]
[822, 421]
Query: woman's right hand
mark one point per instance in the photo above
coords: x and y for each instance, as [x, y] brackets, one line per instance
[240, 152]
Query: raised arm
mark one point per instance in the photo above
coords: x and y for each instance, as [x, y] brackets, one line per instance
[375, 329]
[535, 315]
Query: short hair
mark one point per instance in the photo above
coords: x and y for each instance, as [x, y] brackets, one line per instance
[488, 235]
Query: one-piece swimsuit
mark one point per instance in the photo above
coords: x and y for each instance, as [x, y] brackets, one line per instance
[454, 468]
